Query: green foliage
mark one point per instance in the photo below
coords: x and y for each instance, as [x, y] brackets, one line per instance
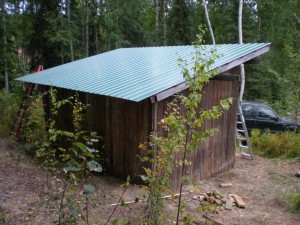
[77, 156]
[182, 132]
[121, 221]
[272, 80]
[35, 126]
[179, 23]
[9, 104]
[286, 145]
[294, 200]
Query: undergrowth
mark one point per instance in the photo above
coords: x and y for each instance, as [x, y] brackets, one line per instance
[294, 202]
[281, 145]
[9, 104]
[35, 126]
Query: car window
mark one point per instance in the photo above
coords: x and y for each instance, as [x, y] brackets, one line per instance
[265, 113]
[247, 111]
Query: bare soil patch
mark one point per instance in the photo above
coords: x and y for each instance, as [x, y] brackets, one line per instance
[264, 185]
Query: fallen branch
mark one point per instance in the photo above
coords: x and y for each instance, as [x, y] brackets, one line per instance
[130, 202]
[144, 200]
[215, 222]
[176, 195]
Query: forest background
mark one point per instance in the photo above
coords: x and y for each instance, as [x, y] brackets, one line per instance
[50, 33]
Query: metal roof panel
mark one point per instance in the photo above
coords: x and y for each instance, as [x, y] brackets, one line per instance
[133, 73]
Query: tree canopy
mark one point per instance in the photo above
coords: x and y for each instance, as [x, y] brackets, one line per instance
[59, 31]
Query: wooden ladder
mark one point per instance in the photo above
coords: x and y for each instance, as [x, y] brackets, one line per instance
[242, 135]
[24, 105]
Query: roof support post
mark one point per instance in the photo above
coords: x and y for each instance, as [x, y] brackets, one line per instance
[154, 128]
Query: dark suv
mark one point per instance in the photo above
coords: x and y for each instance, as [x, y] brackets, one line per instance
[260, 116]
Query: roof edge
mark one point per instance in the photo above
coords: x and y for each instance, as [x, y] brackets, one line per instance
[182, 86]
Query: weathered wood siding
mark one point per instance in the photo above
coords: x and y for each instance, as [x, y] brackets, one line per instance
[217, 153]
[123, 126]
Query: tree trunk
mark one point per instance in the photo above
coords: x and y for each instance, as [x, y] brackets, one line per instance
[16, 29]
[70, 31]
[62, 45]
[156, 20]
[165, 23]
[95, 16]
[83, 23]
[5, 45]
[258, 23]
[86, 28]
[240, 30]
[208, 22]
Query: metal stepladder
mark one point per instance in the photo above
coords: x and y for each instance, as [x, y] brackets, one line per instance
[24, 105]
[242, 135]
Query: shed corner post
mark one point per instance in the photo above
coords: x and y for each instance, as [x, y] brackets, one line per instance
[154, 126]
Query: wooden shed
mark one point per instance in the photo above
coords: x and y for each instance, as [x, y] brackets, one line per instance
[128, 91]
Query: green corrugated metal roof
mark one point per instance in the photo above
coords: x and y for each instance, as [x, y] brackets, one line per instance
[134, 73]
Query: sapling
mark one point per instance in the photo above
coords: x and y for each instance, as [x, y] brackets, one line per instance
[180, 132]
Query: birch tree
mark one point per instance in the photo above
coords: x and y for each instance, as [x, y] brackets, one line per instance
[70, 32]
[86, 27]
[156, 20]
[165, 22]
[240, 30]
[204, 2]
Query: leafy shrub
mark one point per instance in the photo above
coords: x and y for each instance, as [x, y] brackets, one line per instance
[35, 125]
[72, 152]
[286, 145]
[9, 104]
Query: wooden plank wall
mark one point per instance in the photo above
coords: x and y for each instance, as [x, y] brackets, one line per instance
[217, 153]
[65, 119]
[123, 126]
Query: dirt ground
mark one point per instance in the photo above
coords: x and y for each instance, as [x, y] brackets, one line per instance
[264, 185]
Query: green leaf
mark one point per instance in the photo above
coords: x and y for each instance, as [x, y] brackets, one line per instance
[88, 189]
[128, 181]
[80, 145]
[94, 166]
[74, 210]
[121, 221]
[123, 202]
[144, 177]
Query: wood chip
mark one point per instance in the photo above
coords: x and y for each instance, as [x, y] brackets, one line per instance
[206, 197]
[218, 202]
[201, 198]
[239, 201]
[226, 184]
[228, 204]
[195, 197]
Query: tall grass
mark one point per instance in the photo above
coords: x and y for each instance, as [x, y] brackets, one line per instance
[284, 145]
